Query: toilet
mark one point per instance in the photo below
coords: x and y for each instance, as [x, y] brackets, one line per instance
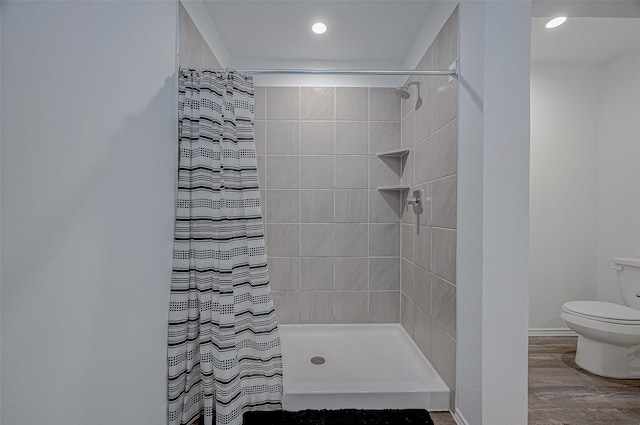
[608, 333]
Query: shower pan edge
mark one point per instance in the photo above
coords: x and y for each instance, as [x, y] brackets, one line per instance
[366, 366]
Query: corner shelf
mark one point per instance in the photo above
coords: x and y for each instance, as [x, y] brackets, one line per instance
[393, 188]
[397, 153]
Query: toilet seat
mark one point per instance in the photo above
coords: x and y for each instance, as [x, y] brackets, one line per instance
[603, 312]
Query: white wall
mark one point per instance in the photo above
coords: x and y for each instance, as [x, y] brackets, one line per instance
[564, 179]
[585, 182]
[618, 168]
[88, 186]
[493, 205]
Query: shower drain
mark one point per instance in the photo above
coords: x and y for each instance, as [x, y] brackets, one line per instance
[317, 360]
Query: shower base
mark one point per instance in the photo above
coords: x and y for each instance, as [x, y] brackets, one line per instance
[357, 367]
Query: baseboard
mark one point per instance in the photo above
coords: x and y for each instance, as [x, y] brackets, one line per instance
[460, 420]
[551, 332]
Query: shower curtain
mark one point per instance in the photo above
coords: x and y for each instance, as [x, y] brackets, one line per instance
[223, 345]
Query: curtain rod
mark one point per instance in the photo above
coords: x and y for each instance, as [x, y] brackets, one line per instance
[340, 71]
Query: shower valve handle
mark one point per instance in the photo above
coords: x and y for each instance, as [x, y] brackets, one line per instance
[416, 201]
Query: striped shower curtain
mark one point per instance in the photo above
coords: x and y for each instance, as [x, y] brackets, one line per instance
[223, 346]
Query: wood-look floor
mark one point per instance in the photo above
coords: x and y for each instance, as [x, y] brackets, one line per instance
[442, 418]
[562, 393]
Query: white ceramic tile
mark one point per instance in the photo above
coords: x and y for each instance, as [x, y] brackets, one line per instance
[316, 274]
[351, 307]
[259, 103]
[316, 206]
[384, 136]
[443, 356]
[316, 307]
[352, 103]
[283, 137]
[422, 153]
[287, 305]
[384, 274]
[443, 202]
[445, 101]
[384, 306]
[317, 138]
[384, 206]
[443, 262]
[443, 305]
[384, 239]
[351, 206]
[407, 314]
[283, 240]
[317, 172]
[351, 274]
[284, 274]
[283, 103]
[422, 247]
[408, 122]
[283, 172]
[317, 103]
[283, 206]
[260, 137]
[422, 332]
[384, 105]
[407, 272]
[351, 239]
[351, 172]
[407, 237]
[352, 138]
[422, 289]
[442, 159]
[317, 240]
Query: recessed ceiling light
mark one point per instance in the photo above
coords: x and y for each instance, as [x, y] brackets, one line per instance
[319, 28]
[556, 22]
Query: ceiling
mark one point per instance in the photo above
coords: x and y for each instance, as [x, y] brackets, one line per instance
[388, 34]
[583, 40]
[361, 34]
[272, 33]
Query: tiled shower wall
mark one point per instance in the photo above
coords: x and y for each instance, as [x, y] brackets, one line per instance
[428, 297]
[193, 51]
[333, 240]
[334, 245]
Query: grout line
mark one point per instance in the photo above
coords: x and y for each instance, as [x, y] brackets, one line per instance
[299, 188]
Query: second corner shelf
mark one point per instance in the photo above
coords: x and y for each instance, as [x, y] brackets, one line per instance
[393, 188]
[396, 153]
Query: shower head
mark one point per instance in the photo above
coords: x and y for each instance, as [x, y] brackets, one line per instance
[403, 92]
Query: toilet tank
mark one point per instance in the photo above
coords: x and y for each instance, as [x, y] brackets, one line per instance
[628, 272]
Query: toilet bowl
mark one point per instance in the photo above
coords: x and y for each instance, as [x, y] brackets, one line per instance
[608, 333]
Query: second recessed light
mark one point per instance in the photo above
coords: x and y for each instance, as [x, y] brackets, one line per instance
[556, 22]
[319, 28]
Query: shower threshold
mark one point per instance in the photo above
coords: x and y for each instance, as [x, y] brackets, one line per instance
[364, 366]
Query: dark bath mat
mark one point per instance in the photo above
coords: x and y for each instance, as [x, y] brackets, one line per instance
[340, 417]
